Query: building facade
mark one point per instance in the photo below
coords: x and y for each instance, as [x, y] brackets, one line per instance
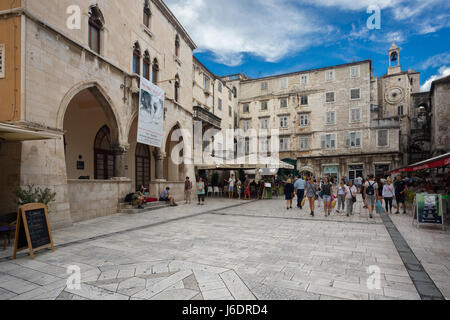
[323, 116]
[82, 86]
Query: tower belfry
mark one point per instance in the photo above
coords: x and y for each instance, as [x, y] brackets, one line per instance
[394, 59]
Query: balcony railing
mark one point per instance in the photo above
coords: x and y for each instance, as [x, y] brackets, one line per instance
[201, 114]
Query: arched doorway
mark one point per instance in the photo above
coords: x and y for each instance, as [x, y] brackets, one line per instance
[91, 136]
[104, 158]
[143, 165]
[174, 164]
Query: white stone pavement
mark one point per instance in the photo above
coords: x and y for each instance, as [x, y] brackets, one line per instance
[254, 251]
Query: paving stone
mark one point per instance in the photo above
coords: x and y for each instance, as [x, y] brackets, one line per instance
[163, 285]
[176, 294]
[216, 294]
[18, 286]
[131, 286]
[95, 293]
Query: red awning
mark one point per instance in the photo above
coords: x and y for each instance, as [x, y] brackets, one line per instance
[438, 162]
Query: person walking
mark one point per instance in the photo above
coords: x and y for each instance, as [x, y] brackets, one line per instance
[319, 191]
[363, 193]
[231, 183]
[188, 190]
[388, 195]
[327, 191]
[341, 196]
[247, 193]
[311, 193]
[400, 190]
[289, 193]
[299, 187]
[358, 183]
[239, 188]
[350, 197]
[371, 191]
[201, 192]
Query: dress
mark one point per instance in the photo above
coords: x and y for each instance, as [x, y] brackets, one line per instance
[311, 190]
[289, 191]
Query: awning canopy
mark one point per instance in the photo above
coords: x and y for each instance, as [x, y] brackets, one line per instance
[242, 164]
[437, 162]
[15, 133]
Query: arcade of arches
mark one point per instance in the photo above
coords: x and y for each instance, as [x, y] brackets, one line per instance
[100, 171]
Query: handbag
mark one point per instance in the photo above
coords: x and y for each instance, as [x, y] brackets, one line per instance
[353, 197]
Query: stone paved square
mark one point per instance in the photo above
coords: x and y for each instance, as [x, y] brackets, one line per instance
[230, 250]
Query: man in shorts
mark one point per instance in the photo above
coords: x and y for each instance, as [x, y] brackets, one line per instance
[231, 183]
[371, 192]
[400, 187]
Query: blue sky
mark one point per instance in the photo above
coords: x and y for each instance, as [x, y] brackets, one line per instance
[266, 37]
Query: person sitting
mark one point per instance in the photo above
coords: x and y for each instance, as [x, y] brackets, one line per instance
[167, 197]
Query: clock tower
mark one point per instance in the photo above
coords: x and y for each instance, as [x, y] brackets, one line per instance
[395, 90]
[394, 59]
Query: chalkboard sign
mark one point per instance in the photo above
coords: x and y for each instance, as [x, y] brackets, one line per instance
[33, 229]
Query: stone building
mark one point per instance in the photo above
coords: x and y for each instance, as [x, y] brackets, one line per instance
[214, 105]
[440, 102]
[323, 116]
[396, 90]
[76, 89]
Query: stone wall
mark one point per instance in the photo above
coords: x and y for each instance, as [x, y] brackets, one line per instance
[90, 199]
[10, 154]
[176, 189]
[441, 118]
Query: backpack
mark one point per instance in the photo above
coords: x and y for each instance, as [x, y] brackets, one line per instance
[370, 190]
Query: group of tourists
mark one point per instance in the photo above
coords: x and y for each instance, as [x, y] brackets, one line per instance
[374, 192]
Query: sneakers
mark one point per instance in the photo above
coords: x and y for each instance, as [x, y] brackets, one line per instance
[398, 212]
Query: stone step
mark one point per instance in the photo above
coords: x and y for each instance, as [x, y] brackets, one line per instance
[127, 208]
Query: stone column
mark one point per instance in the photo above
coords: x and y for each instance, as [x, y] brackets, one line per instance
[119, 154]
[159, 165]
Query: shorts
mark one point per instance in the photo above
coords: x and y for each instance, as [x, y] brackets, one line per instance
[371, 200]
[231, 189]
[326, 199]
[400, 198]
[164, 199]
[247, 192]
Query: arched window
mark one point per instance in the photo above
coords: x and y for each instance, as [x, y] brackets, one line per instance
[147, 14]
[177, 45]
[96, 23]
[177, 88]
[142, 166]
[155, 71]
[104, 159]
[137, 58]
[146, 66]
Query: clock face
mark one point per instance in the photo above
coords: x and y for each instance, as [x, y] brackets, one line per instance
[394, 95]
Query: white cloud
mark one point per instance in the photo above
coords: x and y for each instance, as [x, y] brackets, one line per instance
[436, 61]
[443, 72]
[270, 29]
[354, 5]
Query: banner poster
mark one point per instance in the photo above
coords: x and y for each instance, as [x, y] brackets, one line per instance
[429, 209]
[151, 114]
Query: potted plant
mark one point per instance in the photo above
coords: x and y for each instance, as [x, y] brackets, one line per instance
[31, 194]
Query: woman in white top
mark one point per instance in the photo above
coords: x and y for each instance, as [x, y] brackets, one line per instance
[388, 195]
[350, 193]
